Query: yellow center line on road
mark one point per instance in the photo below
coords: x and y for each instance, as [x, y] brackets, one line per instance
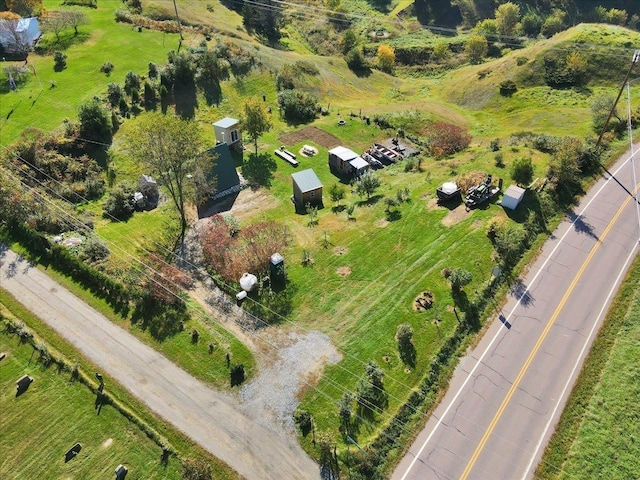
[541, 339]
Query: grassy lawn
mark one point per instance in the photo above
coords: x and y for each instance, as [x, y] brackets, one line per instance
[597, 436]
[64, 412]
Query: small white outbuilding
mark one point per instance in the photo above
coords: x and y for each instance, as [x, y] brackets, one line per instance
[512, 197]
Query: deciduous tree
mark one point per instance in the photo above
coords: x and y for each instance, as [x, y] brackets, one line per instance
[507, 18]
[171, 148]
[56, 23]
[255, 120]
[476, 48]
[459, 277]
[75, 18]
[386, 58]
[336, 193]
[95, 122]
[367, 184]
[522, 171]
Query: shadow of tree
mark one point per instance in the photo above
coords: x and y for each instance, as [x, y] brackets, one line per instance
[580, 225]
[259, 169]
[162, 321]
[519, 291]
[369, 201]
[393, 215]
[362, 72]
[236, 375]
[408, 353]
[186, 100]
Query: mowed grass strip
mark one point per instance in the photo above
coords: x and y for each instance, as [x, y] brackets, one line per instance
[598, 435]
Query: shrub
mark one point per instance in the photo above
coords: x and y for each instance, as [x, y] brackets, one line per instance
[131, 82]
[297, 106]
[196, 469]
[119, 204]
[107, 68]
[545, 143]
[114, 94]
[508, 88]
[304, 421]
[446, 139]
[94, 250]
[59, 61]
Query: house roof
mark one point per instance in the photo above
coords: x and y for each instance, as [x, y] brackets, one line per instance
[24, 23]
[359, 163]
[306, 180]
[226, 122]
[343, 153]
[224, 169]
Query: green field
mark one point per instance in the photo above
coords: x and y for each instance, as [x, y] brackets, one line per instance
[597, 436]
[40, 425]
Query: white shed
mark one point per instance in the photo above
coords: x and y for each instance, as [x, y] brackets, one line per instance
[227, 131]
[512, 197]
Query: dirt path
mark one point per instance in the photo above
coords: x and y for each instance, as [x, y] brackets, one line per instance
[257, 450]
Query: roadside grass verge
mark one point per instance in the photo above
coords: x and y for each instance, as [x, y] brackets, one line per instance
[597, 435]
[194, 357]
[64, 411]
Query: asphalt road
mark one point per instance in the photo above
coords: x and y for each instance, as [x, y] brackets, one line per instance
[507, 394]
[210, 418]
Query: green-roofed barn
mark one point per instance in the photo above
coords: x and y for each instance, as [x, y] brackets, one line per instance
[307, 189]
[224, 172]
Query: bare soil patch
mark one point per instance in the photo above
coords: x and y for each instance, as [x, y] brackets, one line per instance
[456, 215]
[340, 250]
[310, 134]
[343, 271]
[383, 222]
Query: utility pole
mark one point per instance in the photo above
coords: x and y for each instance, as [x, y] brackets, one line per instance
[179, 26]
[635, 59]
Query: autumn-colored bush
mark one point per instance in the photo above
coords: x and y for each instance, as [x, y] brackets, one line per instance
[446, 139]
[165, 282]
[248, 251]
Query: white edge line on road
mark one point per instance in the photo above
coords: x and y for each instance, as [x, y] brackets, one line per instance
[500, 330]
[579, 360]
